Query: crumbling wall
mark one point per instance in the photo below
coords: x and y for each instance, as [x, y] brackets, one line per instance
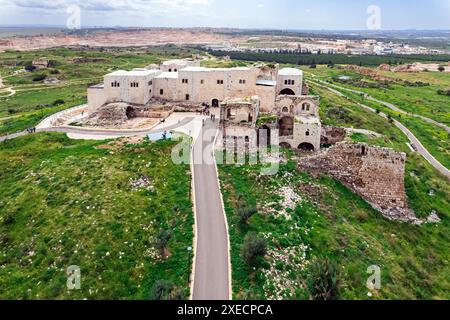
[376, 174]
[331, 135]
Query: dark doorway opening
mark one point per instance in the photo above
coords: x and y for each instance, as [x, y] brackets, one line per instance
[288, 92]
[130, 113]
[215, 103]
[286, 126]
[306, 147]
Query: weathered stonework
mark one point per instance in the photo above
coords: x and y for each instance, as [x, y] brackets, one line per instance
[332, 135]
[376, 174]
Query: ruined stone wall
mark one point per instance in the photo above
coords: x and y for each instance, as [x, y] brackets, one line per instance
[376, 174]
[332, 135]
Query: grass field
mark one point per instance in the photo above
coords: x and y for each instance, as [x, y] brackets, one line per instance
[66, 202]
[330, 223]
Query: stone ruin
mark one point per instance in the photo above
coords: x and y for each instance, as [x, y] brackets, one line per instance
[376, 174]
[331, 135]
[116, 114]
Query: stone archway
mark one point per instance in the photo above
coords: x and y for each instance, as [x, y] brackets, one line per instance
[307, 147]
[287, 92]
[286, 126]
[130, 112]
[285, 145]
[264, 136]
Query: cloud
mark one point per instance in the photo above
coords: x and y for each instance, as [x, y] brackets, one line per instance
[156, 6]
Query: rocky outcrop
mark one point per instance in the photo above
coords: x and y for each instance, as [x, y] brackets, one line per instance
[376, 174]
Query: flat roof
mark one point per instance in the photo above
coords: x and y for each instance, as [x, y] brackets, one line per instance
[267, 83]
[203, 69]
[136, 72]
[167, 75]
[176, 61]
[290, 72]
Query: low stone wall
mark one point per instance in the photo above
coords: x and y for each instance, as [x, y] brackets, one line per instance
[376, 174]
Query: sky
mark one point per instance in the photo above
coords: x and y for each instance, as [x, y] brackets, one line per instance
[262, 14]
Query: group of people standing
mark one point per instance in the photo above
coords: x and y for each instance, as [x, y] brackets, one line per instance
[31, 130]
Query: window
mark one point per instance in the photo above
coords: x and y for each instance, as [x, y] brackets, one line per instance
[202, 81]
[175, 70]
[307, 133]
[242, 81]
[115, 84]
[161, 92]
[150, 83]
[170, 70]
[134, 84]
[285, 110]
[306, 107]
[150, 91]
[219, 81]
[289, 82]
[187, 97]
[185, 81]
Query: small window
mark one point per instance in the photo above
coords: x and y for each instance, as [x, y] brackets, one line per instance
[185, 81]
[202, 81]
[187, 97]
[307, 133]
[292, 82]
[219, 81]
[150, 83]
[285, 110]
[161, 92]
[286, 82]
[175, 70]
[170, 70]
[150, 91]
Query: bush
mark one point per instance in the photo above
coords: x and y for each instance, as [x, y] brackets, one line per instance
[324, 283]
[8, 220]
[58, 102]
[162, 240]
[39, 77]
[161, 290]
[444, 92]
[441, 69]
[246, 213]
[55, 71]
[253, 248]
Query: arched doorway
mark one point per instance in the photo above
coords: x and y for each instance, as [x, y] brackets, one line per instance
[287, 92]
[264, 136]
[286, 126]
[305, 146]
[215, 103]
[130, 113]
[285, 145]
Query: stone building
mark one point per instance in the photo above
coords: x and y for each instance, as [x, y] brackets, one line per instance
[277, 92]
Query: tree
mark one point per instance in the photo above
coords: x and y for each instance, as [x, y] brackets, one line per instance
[441, 68]
[253, 248]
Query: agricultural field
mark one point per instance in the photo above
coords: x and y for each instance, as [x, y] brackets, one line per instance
[121, 211]
[320, 245]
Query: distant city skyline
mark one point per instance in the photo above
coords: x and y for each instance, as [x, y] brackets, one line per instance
[255, 14]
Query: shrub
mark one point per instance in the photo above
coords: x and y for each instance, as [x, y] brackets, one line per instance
[253, 248]
[162, 240]
[441, 69]
[8, 220]
[161, 290]
[39, 77]
[58, 102]
[324, 283]
[246, 213]
[55, 71]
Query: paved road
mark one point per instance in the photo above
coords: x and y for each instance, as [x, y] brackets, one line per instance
[389, 105]
[412, 138]
[212, 269]
[100, 132]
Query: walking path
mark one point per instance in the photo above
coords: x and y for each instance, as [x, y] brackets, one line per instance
[212, 270]
[412, 138]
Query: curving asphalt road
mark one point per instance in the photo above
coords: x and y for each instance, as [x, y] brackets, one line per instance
[412, 138]
[388, 104]
[211, 265]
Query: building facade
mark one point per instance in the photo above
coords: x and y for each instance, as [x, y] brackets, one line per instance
[277, 92]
